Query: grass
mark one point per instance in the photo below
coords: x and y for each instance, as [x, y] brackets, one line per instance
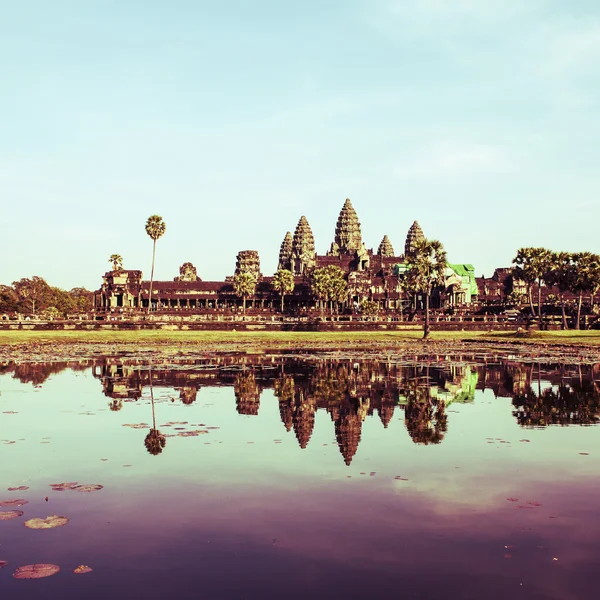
[282, 338]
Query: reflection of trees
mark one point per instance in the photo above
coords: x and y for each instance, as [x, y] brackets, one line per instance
[155, 441]
[564, 404]
[188, 393]
[426, 420]
[38, 373]
[116, 404]
[247, 393]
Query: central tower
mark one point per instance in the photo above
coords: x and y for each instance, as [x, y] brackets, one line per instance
[348, 238]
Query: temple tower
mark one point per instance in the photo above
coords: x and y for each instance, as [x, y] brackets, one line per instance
[385, 248]
[348, 238]
[303, 248]
[285, 252]
[248, 261]
[415, 234]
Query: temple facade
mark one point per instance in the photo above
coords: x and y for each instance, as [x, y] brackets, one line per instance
[376, 276]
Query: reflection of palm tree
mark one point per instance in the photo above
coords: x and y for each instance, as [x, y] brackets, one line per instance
[425, 417]
[155, 441]
[116, 404]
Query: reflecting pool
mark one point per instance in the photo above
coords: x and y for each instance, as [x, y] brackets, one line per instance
[270, 476]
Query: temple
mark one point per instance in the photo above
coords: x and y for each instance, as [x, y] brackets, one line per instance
[374, 276]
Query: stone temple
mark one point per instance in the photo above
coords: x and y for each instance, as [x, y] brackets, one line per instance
[371, 275]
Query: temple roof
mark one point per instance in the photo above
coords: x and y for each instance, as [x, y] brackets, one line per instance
[385, 248]
[348, 237]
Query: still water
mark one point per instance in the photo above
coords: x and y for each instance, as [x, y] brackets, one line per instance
[274, 477]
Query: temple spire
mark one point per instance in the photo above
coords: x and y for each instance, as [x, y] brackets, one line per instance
[303, 247]
[348, 237]
[415, 234]
[285, 252]
[385, 248]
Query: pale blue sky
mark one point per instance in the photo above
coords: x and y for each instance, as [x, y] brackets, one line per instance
[231, 119]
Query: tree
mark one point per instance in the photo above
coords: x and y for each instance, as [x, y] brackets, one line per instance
[155, 441]
[9, 301]
[562, 275]
[532, 265]
[426, 270]
[586, 278]
[117, 261]
[32, 293]
[244, 285]
[369, 308]
[329, 285]
[155, 228]
[283, 283]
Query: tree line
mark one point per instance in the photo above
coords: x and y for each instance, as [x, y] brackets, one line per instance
[33, 296]
[577, 273]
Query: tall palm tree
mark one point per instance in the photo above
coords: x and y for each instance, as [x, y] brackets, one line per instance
[561, 274]
[426, 271]
[155, 228]
[244, 286]
[283, 283]
[117, 261]
[586, 278]
[533, 264]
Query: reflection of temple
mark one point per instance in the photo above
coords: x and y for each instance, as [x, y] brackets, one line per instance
[351, 391]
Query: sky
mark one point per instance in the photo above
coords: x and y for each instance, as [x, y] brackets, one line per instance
[233, 118]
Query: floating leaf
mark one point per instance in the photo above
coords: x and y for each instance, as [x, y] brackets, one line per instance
[18, 502]
[36, 571]
[513, 499]
[3, 563]
[48, 523]
[10, 514]
[21, 488]
[81, 569]
[61, 487]
[88, 487]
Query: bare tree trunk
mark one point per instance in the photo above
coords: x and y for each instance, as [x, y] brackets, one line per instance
[530, 295]
[426, 331]
[540, 315]
[281, 302]
[577, 324]
[151, 277]
[565, 325]
[244, 303]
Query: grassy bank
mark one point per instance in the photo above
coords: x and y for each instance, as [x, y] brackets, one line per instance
[280, 338]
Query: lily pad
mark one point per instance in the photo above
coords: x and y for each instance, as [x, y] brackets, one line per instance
[88, 487]
[3, 563]
[48, 523]
[81, 569]
[18, 502]
[36, 571]
[61, 487]
[21, 488]
[10, 514]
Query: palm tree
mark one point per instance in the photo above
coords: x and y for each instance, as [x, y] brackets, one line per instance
[533, 264]
[426, 271]
[586, 278]
[155, 228]
[117, 261]
[328, 285]
[283, 283]
[244, 285]
[562, 275]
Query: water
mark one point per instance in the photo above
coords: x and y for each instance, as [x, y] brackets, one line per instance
[264, 477]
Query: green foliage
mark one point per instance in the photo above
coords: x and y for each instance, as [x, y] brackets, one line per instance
[155, 227]
[369, 308]
[427, 266]
[117, 262]
[244, 286]
[33, 294]
[329, 284]
[283, 283]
